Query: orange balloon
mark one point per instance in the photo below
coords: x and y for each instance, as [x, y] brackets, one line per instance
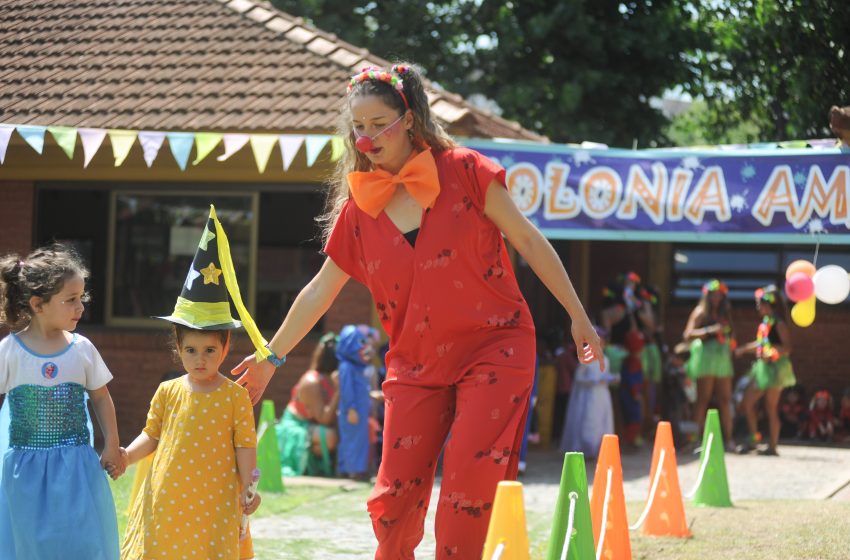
[803, 266]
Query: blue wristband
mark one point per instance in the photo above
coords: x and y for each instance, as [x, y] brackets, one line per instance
[274, 359]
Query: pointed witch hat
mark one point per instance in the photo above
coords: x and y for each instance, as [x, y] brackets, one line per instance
[203, 302]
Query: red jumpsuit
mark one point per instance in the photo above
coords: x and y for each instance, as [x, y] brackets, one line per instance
[461, 359]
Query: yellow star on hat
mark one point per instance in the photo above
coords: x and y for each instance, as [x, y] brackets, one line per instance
[211, 274]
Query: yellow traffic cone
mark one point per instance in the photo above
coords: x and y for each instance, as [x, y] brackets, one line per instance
[507, 536]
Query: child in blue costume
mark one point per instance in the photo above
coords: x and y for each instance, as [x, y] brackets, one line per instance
[55, 501]
[354, 350]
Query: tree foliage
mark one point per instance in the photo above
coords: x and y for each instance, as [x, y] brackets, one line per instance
[588, 69]
[780, 64]
[579, 70]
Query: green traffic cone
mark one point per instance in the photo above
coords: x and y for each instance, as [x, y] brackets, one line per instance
[573, 487]
[713, 487]
[268, 454]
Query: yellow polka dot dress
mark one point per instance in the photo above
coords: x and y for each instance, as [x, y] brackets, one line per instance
[188, 506]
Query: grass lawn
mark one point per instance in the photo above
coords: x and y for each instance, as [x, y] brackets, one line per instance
[331, 523]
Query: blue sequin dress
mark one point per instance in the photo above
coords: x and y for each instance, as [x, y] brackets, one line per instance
[55, 501]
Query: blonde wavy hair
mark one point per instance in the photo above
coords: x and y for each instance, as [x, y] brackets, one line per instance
[426, 132]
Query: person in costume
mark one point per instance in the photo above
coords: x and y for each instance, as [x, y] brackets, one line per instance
[771, 371]
[590, 413]
[622, 317]
[355, 350]
[712, 339]
[419, 221]
[200, 426]
[55, 501]
[822, 422]
[651, 360]
[306, 432]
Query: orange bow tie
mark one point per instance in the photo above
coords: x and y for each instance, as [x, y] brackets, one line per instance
[372, 190]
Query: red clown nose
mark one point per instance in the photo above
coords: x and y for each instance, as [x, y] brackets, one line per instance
[364, 144]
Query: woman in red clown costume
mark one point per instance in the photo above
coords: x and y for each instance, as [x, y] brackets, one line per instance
[419, 221]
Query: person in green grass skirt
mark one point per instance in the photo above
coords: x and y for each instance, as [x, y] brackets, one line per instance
[712, 341]
[771, 371]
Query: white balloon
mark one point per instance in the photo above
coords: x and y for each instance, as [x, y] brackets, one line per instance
[832, 284]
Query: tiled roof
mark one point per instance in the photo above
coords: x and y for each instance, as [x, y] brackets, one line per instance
[186, 65]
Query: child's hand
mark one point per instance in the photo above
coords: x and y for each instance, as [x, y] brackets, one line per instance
[352, 416]
[250, 506]
[113, 462]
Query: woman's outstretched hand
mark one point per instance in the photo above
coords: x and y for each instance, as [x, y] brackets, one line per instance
[255, 376]
[588, 343]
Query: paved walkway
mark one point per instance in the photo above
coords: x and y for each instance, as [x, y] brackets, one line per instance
[801, 472]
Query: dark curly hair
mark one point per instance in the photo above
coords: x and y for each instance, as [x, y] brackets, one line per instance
[42, 273]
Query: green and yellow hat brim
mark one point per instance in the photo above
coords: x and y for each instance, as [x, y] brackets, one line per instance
[202, 315]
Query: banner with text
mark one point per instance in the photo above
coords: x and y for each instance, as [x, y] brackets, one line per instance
[746, 195]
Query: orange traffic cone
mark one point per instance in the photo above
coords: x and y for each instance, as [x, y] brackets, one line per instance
[665, 510]
[608, 505]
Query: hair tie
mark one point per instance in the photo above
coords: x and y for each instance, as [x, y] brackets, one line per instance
[400, 69]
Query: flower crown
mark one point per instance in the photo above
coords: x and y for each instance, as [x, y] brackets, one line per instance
[715, 286]
[762, 295]
[393, 78]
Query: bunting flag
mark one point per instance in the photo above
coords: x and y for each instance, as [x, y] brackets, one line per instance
[337, 148]
[122, 141]
[34, 135]
[66, 138]
[151, 142]
[5, 134]
[232, 144]
[315, 145]
[91, 138]
[261, 145]
[289, 146]
[205, 142]
[181, 146]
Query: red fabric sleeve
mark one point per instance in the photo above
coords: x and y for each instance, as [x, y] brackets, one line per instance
[344, 244]
[480, 172]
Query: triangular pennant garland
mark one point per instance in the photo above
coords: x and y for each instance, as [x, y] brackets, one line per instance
[261, 145]
[151, 142]
[205, 142]
[66, 138]
[91, 138]
[181, 146]
[315, 145]
[289, 146]
[5, 134]
[122, 141]
[337, 148]
[232, 144]
[34, 135]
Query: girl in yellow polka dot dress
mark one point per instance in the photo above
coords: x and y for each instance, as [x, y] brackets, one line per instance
[201, 426]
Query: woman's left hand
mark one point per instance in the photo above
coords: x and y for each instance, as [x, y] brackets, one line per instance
[250, 506]
[587, 342]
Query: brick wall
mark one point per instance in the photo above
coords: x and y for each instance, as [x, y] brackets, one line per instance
[16, 216]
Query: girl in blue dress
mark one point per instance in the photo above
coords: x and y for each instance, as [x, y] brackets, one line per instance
[55, 501]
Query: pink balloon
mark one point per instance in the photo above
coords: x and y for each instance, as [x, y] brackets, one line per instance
[799, 287]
